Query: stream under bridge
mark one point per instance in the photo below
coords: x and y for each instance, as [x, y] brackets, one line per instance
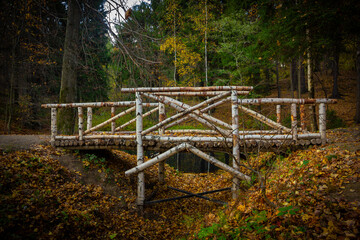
[198, 120]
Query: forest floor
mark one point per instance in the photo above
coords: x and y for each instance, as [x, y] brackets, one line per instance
[49, 193]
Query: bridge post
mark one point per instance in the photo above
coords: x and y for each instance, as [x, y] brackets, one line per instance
[89, 118]
[294, 121]
[53, 124]
[113, 122]
[278, 114]
[302, 118]
[81, 123]
[140, 152]
[162, 117]
[322, 122]
[235, 137]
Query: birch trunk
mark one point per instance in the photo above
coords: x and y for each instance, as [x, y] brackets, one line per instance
[294, 121]
[110, 120]
[162, 117]
[235, 137]
[183, 113]
[53, 125]
[310, 85]
[140, 152]
[322, 122]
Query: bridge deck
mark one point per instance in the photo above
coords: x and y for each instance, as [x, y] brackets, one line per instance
[204, 142]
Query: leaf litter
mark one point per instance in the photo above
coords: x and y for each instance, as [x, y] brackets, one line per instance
[316, 193]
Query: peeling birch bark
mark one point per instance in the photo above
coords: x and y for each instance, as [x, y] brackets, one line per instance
[81, 121]
[140, 152]
[110, 120]
[89, 118]
[294, 121]
[264, 119]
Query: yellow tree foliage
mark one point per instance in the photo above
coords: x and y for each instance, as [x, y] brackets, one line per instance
[186, 61]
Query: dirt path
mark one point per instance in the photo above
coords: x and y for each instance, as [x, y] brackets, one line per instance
[22, 142]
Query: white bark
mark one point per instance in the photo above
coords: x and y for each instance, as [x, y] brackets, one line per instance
[207, 93]
[162, 117]
[183, 113]
[177, 122]
[81, 123]
[134, 120]
[53, 124]
[233, 171]
[200, 113]
[278, 114]
[89, 118]
[161, 157]
[322, 122]
[98, 104]
[110, 120]
[257, 101]
[294, 121]
[187, 89]
[235, 139]
[139, 151]
[264, 119]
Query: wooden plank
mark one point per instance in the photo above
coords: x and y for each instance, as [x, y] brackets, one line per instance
[183, 113]
[264, 119]
[97, 104]
[157, 159]
[200, 113]
[176, 107]
[186, 89]
[257, 101]
[218, 163]
[134, 120]
[207, 93]
[110, 120]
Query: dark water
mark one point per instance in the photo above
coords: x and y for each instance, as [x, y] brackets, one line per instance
[190, 163]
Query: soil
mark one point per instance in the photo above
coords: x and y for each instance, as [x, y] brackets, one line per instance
[22, 142]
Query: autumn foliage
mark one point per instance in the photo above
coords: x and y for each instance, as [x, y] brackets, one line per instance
[315, 193]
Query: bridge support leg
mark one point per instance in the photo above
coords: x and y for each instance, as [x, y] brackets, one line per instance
[322, 122]
[162, 117]
[294, 122]
[53, 125]
[235, 135]
[140, 153]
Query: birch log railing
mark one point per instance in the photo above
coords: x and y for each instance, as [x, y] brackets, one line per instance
[217, 133]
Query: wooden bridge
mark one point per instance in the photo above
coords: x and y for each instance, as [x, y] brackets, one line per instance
[260, 121]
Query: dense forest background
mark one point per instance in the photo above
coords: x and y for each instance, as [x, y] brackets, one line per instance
[282, 45]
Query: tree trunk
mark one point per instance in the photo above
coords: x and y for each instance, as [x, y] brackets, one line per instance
[292, 77]
[277, 79]
[68, 92]
[299, 78]
[357, 115]
[311, 87]
[9, 108]
[335, 73]
[302, 80]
